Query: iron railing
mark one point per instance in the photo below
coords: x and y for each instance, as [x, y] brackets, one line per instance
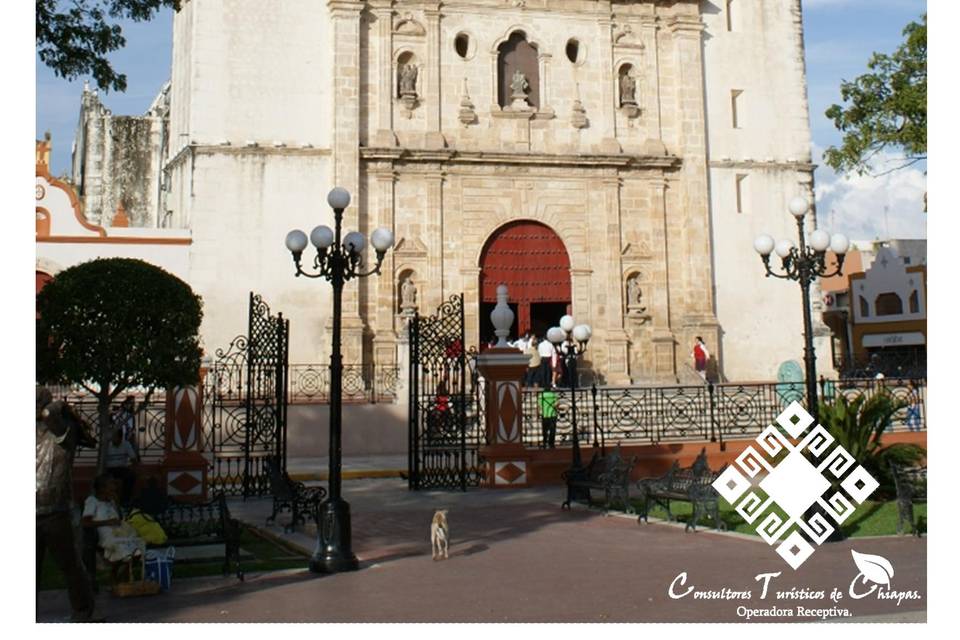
[149, 423]
[310, 383]
[706, 413]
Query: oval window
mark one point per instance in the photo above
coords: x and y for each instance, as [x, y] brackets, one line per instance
[573, 50]
[462, 45]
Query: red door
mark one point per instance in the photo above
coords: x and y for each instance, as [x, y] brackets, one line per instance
[531, 260]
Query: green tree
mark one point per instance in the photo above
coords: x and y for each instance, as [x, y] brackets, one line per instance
[884, 109]
[115, 323]
[75, 36]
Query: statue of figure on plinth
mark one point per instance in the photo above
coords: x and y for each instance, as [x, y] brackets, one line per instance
[634, 296]
[408, 297]
[628, 90]
[518, 91]
[408, 80]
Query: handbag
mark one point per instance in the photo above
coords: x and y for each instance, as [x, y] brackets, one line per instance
[158, 567]
[146, 527]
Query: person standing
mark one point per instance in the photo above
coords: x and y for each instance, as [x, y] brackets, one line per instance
[569, 361]
[59, 432]
[700, 357]
[547, 356]
[120, 457]
[548, 414]
[532, 376]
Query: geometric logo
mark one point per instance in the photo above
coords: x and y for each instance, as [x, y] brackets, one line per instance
[812, 485]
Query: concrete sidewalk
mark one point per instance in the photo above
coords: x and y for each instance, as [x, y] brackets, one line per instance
[516, 557]
[354, 467]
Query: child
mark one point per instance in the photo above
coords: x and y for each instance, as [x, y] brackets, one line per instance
[548, 411]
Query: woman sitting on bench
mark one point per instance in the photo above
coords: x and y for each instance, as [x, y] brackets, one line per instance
[117, 539]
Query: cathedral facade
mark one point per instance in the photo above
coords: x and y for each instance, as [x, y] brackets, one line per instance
[613, 159]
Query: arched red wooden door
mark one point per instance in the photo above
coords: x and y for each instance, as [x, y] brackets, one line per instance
[42, 279]
[531, 260]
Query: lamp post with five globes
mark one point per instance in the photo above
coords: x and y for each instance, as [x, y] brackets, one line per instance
[336, 261]
[581, 336]
[804, 264]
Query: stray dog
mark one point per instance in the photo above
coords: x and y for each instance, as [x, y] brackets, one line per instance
[439, 535]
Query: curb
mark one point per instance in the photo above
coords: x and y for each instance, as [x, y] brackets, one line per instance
[357, 474]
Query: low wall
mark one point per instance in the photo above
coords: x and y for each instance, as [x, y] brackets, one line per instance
[368, 430]
[654, 460]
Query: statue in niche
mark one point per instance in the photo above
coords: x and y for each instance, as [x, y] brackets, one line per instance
[519, 86]
[408, 80]
[628, 90]
[635, 296]
[408, 296]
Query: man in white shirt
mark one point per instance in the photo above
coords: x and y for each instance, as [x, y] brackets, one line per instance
[546, 350]
[120, 457]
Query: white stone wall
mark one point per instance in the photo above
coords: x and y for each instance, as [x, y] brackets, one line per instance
[762, 56]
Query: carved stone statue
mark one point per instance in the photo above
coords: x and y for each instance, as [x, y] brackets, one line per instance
[408, 296]
[408, 80]
[628, 90]
[634, 296]
[519, 85]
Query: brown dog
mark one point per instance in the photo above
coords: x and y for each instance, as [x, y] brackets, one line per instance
[439, 535]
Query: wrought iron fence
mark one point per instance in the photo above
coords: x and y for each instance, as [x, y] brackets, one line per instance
[718, 412]
[149, 423]
[361, 383]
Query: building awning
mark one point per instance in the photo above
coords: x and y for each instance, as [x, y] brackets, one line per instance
[893, 339]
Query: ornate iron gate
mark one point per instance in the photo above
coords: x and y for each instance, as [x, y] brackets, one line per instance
[446, 415]
[246, 391]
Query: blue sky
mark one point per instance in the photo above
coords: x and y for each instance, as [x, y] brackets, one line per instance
[840, 36]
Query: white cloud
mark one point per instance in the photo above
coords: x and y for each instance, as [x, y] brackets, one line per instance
[854, 205]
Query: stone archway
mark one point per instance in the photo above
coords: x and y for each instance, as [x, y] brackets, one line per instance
[531, 259]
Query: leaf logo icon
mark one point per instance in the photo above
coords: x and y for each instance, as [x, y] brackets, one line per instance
[874, 568]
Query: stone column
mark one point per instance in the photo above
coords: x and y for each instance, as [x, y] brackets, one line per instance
[345, 38]
[383, 287]
[385, 136]
[663, 341]
[503, 368]
[616, 369]
[608, 117]
[434, 294]
[432, 88]
[184, 467]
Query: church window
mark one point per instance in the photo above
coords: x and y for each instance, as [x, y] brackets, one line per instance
[864, 307]
[888, 304]
[741, 177]
[461, 45]
[914, 302]
[575, 51]
[518, 55]
[735, 106]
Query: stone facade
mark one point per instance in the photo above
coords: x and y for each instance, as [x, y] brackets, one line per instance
[118, 161]
[628, 155]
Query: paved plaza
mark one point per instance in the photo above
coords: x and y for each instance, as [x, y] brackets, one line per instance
[515, 557]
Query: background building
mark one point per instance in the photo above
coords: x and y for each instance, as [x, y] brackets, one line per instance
[613, 159]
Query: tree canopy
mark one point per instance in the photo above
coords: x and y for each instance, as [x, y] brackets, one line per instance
[114, 323]
[75, 36]
[884, 109]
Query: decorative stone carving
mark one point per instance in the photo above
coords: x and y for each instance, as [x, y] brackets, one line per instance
[467, 114]
[408, 26]
[502, 317]
[628, 93]
[408, 86]
[518, 91]
[408, 297]
[578, 117]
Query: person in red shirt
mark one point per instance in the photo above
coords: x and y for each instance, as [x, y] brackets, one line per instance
[700, 357]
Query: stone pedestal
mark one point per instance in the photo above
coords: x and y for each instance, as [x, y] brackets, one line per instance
[507, 462]
[184, 467]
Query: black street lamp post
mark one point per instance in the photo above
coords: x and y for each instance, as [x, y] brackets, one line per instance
[804, 264]
[336, 262]
[570, 351]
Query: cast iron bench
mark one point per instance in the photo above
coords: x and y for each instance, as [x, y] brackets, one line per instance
[610, 473]
[693, 484]
[186, 525]
[911, 484]
[292, 496]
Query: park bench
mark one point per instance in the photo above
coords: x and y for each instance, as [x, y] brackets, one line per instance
[295, 497]
[186, 525]
[693, 484]
[911, 485]
[609, 473]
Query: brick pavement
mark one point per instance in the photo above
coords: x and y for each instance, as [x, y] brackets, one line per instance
[516, 557]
